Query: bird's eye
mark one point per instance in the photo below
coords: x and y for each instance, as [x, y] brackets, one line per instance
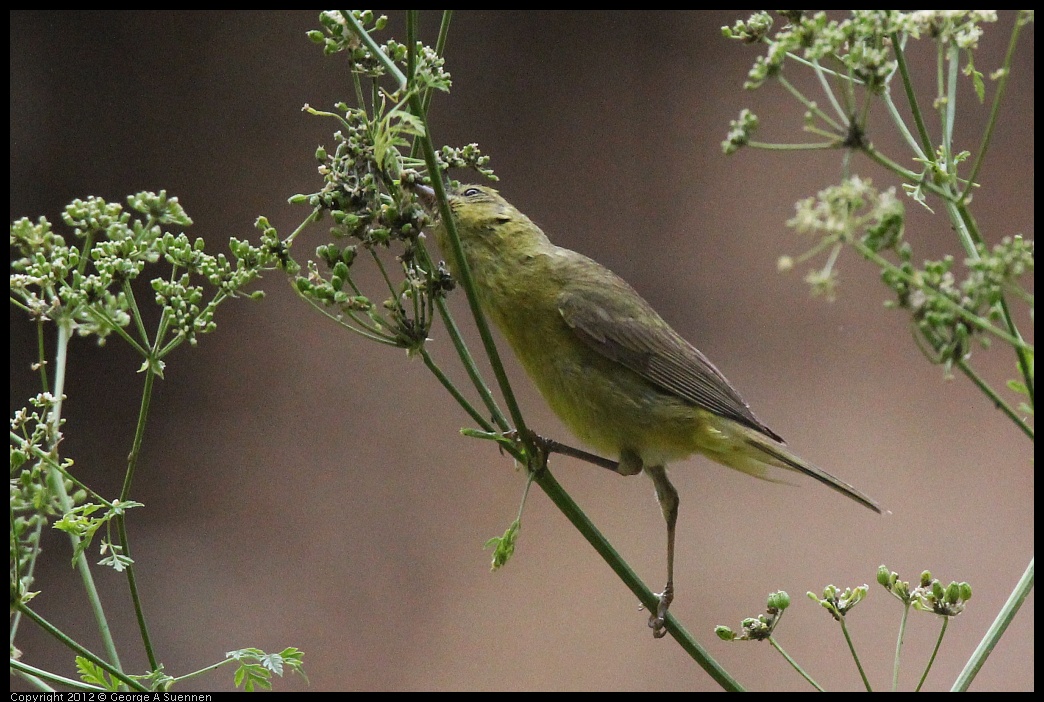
[471, 191]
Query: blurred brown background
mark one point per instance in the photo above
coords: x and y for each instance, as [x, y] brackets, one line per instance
[305, 487]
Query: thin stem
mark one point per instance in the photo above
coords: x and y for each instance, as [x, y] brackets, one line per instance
[465, 275]
[899, 646]
[830, 93]
[996, 630]
[575, 515]
[935, 651]
[139, 322]
[469, 365]
[997, 400]
[139, 432]
[448, 384]
[78, 649]
[987, 135]
[855, 656]
[35, 675]
[58, 486]
[132, 583]
[911, 96]
[440, 49]
[794, 664]
[809, 104]
[900, 123]
[41, 354]
[375, 50]
[950, 112]
[795, 147]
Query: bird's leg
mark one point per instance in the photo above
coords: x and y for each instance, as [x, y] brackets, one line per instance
[668, 499]
[551, 446]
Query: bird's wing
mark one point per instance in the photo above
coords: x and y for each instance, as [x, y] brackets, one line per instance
[615, 321]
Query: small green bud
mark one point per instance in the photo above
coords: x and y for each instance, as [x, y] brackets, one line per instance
[966, 591]
[883, 576]
[778, 601]
[296, 200]
[725, 633]
[937, 590]
[953, 593]
[320, 154]
[926, 578]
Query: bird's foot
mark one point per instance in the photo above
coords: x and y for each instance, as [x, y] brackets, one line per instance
[657, 620]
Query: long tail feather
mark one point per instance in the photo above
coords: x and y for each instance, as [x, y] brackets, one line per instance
[784, 459]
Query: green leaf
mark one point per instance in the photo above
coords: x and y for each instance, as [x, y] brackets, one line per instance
[94, 674]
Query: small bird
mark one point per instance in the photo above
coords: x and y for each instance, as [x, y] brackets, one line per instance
[610, 367]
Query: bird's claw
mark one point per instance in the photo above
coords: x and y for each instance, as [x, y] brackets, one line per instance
[657, 620]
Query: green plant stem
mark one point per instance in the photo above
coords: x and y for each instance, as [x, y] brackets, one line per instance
[469, 365]
[452, 389]
[466, 280]
[794, 147]
[911, 96]
[855, 656]
[949, 112]
[78, 649]
[997, 400]
[58, 486]
[830, 93]
[440, 49]
[33, 674]
[794, 664]
[41, 354]
[810, 105]
[575, 515]
[987, 135]
[996, 630]
[132, 583]
[935, 652]
[899, 646]
[375, 50]
[132, 463]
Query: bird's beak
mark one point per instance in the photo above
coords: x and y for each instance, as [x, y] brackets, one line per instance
[427, 196]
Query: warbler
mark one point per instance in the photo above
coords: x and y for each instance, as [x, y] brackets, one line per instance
[625, 382]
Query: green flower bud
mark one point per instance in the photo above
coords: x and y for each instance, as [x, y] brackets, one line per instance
[883, 576]
[778, 601]
[725, 633]
[937, 590]
[965, 591]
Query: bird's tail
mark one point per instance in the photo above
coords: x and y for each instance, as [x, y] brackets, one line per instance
[778, 456]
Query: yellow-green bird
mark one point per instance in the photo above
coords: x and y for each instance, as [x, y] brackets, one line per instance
[611, 368]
